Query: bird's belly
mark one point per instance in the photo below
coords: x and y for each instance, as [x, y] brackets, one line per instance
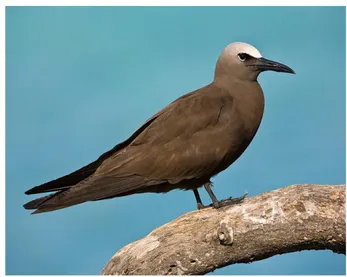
[237, 141]
[231, 157]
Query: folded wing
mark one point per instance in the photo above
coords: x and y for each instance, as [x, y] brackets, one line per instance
[182, 142]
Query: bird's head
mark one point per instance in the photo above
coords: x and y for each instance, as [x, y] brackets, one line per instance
[243, 61]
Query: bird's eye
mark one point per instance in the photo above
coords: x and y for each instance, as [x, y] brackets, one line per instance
[242, 57]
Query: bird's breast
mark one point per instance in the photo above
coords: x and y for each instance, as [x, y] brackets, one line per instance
[249, 104]
[241, 120]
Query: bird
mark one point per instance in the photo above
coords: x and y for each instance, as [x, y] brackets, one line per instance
[182, 146]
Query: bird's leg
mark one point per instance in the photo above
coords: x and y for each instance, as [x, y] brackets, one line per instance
[215, 202]
[198, 199]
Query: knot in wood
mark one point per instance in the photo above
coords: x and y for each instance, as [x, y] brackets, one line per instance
[225, 233]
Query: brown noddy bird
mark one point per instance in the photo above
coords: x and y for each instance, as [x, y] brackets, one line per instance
[182, 146]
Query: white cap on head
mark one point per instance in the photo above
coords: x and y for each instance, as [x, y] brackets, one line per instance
[241, 47]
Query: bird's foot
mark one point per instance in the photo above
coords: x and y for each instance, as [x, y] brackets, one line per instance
[222, 203]
[216, 204]
[232, 201]
[226, 202]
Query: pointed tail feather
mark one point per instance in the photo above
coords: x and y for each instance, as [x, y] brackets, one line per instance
[89, 190]
[38, 204]
[45, 210]
[34, 204]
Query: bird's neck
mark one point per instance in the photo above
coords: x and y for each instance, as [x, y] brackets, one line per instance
[225, 81]
[238, 86]
[249, 99]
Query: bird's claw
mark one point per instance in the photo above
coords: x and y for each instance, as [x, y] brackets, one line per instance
[223, 203]
[233, 201]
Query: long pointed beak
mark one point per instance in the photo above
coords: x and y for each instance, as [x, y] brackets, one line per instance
[264, 64]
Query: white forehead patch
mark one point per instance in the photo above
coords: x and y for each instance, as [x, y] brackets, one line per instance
[241, 47]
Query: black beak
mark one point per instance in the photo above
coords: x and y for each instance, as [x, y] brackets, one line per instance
[264, 64]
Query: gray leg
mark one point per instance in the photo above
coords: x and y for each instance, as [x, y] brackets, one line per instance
[198, 199]
[215, 202]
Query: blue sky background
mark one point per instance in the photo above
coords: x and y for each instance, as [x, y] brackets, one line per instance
[81, 79]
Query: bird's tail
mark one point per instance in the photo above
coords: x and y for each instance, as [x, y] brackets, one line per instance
[91, 189]
[36, 203]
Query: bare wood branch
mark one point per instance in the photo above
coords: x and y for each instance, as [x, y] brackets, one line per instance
[294, 218]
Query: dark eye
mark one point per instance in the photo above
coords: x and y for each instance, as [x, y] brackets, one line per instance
[242, 56]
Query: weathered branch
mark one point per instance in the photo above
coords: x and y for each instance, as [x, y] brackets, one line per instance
[294, 218]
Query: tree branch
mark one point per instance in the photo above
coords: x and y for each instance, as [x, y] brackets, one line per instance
[294, 218]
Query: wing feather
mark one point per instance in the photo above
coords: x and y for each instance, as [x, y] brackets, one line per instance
[186, 140]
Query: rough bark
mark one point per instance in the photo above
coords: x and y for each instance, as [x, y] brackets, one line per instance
[294, 218]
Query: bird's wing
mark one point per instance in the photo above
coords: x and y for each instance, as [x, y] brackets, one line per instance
[187, 140]
[77, 176]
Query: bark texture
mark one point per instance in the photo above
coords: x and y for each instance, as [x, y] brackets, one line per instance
[294, 218]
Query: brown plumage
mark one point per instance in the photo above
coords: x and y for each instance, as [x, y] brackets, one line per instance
[182, 146]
